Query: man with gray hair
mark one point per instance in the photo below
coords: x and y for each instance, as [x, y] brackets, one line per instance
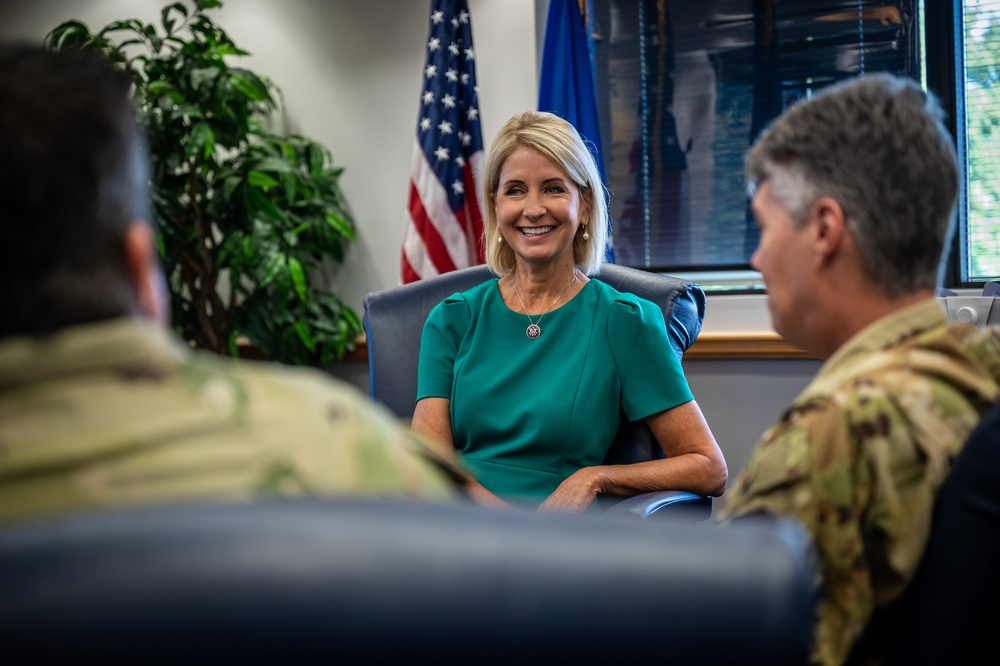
[854, 193]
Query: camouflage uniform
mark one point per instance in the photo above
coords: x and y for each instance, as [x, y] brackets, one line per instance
[119, 412]
[860, 455]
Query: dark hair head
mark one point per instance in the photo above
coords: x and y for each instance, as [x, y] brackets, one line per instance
[877, 145]
[73, 174]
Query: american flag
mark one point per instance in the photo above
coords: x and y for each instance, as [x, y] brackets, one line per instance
[445, 203]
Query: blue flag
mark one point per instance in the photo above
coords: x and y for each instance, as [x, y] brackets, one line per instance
[566, 86]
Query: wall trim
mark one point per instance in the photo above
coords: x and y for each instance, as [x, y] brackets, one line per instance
[759, 345]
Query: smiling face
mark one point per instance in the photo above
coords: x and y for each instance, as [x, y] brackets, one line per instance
[539, 209]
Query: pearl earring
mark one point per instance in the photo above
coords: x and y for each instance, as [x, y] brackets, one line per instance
[586, 235]
[500, 238]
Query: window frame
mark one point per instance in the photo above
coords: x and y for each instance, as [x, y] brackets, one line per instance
[944, 45]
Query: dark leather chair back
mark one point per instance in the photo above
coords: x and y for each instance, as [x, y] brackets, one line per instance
[394, 319]
[344, 581]
[950, 614]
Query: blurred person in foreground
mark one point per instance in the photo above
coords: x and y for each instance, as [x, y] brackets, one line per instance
[100, 405]
[527, 375]
[854, 193]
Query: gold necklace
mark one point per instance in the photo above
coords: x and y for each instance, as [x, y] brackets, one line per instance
[534, 331]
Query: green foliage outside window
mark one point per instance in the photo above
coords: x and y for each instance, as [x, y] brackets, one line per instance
[982, 88]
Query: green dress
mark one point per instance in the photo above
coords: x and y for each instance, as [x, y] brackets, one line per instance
[526, 414]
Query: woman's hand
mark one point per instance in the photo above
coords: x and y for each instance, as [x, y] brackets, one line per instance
[693, 463]
[576, 493]
[693, 459]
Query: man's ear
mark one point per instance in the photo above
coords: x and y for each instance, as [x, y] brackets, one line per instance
[144, 272]
[829, 228]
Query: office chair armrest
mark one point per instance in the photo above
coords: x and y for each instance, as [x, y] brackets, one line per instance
[662, 504]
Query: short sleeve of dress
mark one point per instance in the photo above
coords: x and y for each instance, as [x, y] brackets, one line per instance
[651, 375]
[443, 332]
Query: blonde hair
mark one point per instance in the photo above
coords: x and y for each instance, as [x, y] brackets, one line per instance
[559, 141]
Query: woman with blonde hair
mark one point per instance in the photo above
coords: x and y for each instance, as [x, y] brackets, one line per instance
[527, 375]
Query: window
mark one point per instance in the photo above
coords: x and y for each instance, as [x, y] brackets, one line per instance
[685, 86]
[979, 59]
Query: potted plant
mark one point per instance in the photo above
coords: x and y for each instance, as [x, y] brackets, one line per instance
[245, 217]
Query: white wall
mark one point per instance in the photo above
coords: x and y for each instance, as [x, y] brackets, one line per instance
[350, 72]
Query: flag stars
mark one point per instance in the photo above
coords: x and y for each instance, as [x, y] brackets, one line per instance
[448, 137]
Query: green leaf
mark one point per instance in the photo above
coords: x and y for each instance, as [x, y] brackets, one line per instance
[274, 164]
[249, 247]
[352, 319]
[204, 77]
[342, 226]
[166, 20]
[305, 335]
[229, 185]
[261, 180]
[131, 25]
[290, 182]
[160, 249]
[298, 276]
[272, 269]
[202, 5]
[69, 34]
[157, 88]
[189, 111]
[229, 247]
[201, 141]
[316, 160]
[249, 86]
[260, 203]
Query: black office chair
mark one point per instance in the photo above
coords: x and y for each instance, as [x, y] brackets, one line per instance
[950, 614]
[394, 319]
[364, 581]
